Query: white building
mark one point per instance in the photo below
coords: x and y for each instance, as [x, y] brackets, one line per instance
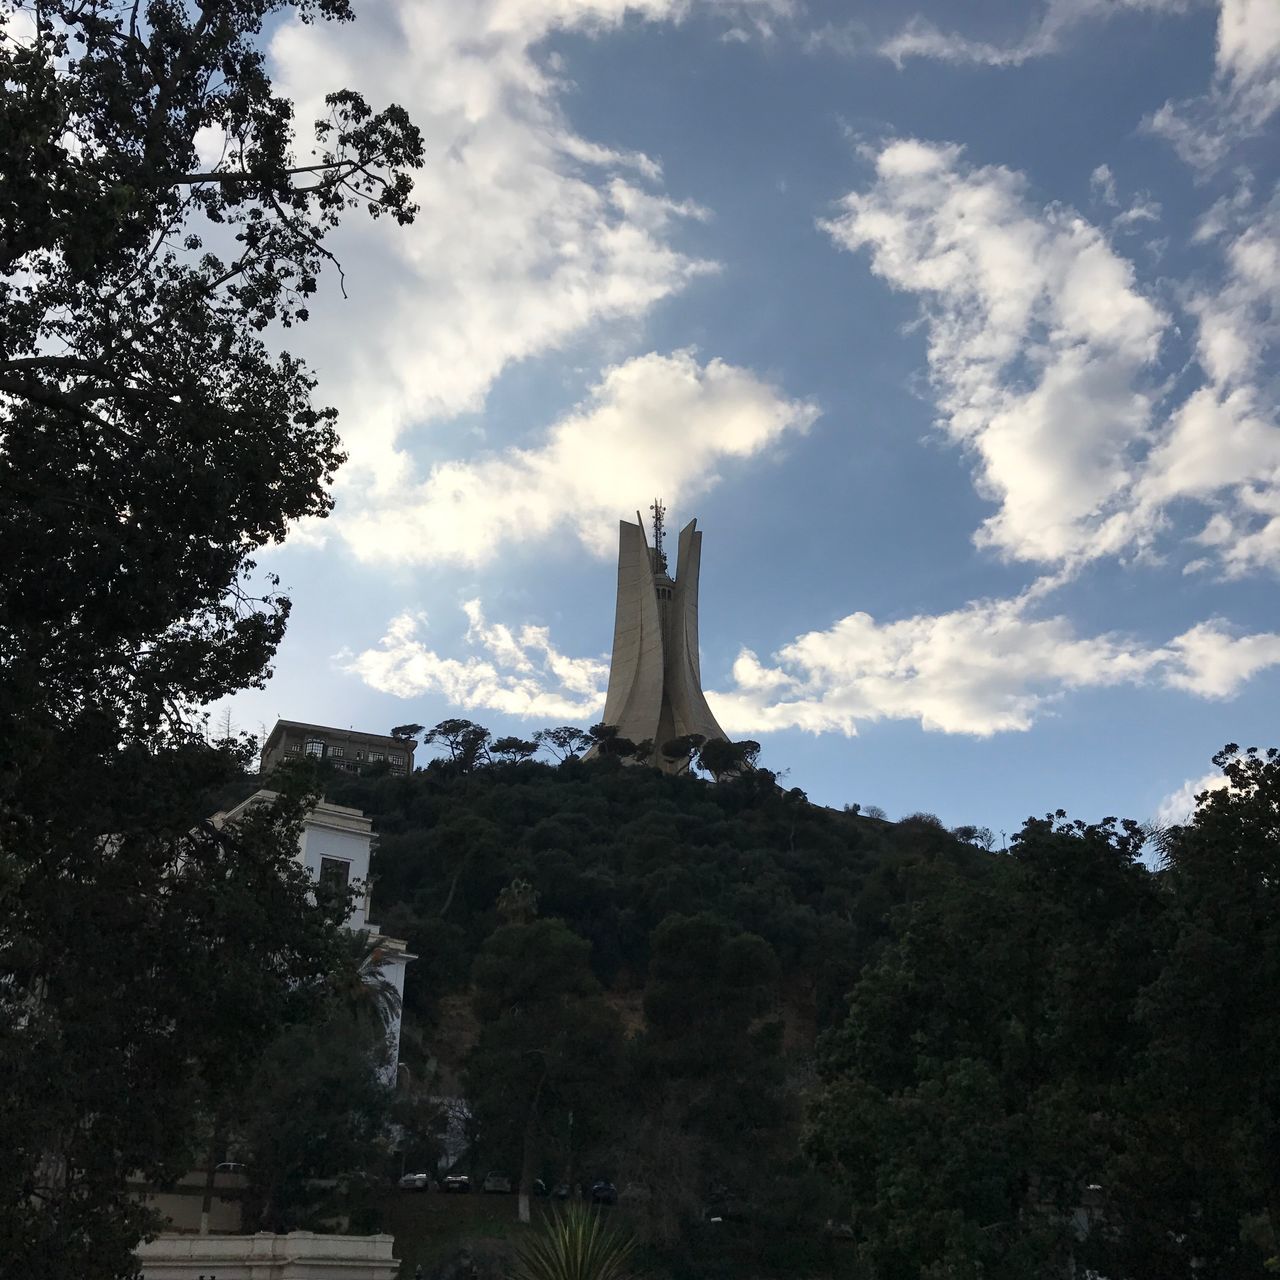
[335, 849]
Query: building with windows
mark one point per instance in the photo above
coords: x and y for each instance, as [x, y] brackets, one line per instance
[335, 849]
[348, 749]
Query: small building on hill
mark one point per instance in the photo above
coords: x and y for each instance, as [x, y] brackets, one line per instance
[347, 749]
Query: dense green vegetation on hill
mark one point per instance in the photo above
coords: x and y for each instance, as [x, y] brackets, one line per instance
[613, 851]
[626, 972]
[752, 1009]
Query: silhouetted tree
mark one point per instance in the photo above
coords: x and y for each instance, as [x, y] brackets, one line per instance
[722, 758]
[150, 444]
[467, 743]
[514, 750]
[563, 742]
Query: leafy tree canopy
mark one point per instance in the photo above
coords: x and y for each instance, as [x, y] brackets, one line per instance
[150, 442]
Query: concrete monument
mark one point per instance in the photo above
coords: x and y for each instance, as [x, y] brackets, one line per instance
[655, 681]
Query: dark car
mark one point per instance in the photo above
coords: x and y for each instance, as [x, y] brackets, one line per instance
[603, 1192]
[458, 1183]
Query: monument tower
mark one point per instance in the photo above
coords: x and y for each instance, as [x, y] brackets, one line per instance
[655, 681]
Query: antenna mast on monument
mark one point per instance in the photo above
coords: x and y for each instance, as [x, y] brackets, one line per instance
[658, 512]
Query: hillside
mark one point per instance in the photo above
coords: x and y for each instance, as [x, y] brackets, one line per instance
[800, 1040]
[613, 851]
[675, 949]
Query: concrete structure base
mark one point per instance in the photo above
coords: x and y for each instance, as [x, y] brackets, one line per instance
[300, 1255]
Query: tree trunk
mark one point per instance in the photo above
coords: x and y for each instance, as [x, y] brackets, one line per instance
[527, 1156]
[206, 1205]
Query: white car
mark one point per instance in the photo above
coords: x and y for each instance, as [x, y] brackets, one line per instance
[415, 1182]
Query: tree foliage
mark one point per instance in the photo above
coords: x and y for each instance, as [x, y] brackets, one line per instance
[548, 1047]
[1065, 1063]
[309, 1124]
[151, 441]
[144, 970]
[1051, 1058]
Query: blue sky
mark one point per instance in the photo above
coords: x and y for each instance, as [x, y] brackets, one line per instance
[954, 325]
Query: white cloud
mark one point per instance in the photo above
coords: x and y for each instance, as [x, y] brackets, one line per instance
[529, 234]
[1243, 97]
[1222, 444]
[919, 38]
[991, 667]
[1178, 806]
[1102, 182]
[1245, 93]
[1042, 353]
[1212, 663]
[1039, 342]
[654, 423]
[988, 668]
[517, 674]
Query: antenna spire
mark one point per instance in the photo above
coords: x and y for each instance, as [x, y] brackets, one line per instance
[658, 512]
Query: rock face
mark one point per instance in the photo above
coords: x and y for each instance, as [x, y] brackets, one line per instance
[655, 680]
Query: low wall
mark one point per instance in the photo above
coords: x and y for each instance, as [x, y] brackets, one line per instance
[300, 1255]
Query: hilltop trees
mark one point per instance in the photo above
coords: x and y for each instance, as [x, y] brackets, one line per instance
[150, 443]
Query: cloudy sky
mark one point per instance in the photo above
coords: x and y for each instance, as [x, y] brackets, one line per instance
[955, 325]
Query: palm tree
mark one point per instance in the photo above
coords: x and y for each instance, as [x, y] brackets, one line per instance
[360, 986]
[576, 1245]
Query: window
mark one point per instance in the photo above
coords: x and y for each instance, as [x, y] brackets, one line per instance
[315, 747]
[375, 756]
[338, 752]
[292, 747]
[396, 758]
[334, 875]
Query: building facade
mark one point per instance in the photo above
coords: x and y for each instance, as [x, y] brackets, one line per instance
[335, 849]
[347, 749]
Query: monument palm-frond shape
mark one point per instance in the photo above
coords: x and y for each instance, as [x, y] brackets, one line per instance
[655, 678]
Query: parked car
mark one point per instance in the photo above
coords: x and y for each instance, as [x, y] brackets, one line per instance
[229, 1166]
[458, 1183]
[725, 1205]
[415, 1182]
[603, 1192]
[539, 1187]
[496, 1182]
